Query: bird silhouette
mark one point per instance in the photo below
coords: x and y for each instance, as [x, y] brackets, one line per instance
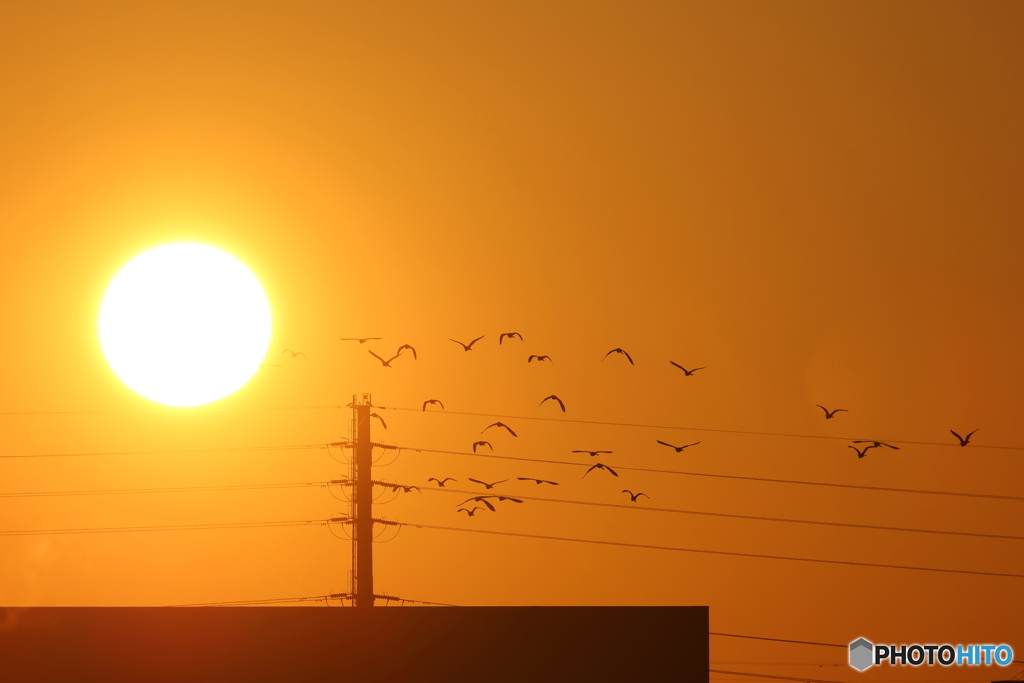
[270, 365]
[481, 444]
[294, 353]
[406, 489]
[469, 346]
[383, 423]
[501, 498]
[403, 347]
[599, 466]
[634, 496]
[964, 440]
[480, 499]
[688, 372]
[468, 512]
[432, 401]
[876, 444]
[387, 363]
[486, 485]
[540, 358]
[440, 482]
[500, 424]
[538, 481]
[829, 414]
[362, 340]
[593, 454]
[554, 398]
[628, 357]
[510, 335]
[861, 453]
[679, 449]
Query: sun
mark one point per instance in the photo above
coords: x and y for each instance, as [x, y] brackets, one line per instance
[184, 324]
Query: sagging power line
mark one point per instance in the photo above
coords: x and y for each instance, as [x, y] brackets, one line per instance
[626, 468]
[709, 552]
[700, 429]
[174, 489]
[703, 513]
[175, 451]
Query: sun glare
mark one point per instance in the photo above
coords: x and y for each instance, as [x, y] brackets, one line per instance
[184, 324]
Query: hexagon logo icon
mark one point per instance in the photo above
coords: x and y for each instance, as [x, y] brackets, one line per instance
[861, 654]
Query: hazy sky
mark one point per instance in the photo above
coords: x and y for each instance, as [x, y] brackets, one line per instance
[820, 202]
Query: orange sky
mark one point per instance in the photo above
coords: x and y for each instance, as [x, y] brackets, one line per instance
[819, 202]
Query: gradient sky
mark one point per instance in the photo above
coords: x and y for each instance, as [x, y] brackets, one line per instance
[821, 202]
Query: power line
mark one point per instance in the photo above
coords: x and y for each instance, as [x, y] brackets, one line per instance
[310, 598]
[268, 601]
[777, 678]
[699, 429]
[179, 489]
[709, 552]
[776, 640]
[714, 476]
[165, 411]
[242, 449]
[173, 527]
[395, 598]
[624, 506]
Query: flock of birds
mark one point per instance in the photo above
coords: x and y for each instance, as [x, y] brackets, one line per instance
[487, 501]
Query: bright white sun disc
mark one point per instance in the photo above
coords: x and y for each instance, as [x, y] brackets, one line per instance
[185, 324]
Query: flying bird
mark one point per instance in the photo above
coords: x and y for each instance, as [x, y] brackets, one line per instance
[861, 453]
[407, 489]
[514, 500]
[829, 414]
[361, 341]
[500, 424]
[383, 423]
[294, 353]
[432, 401]
[480, 499]
[634, 496]
[510, 335]
[593, 454]
[688, 372]
[679, 449]
[469, 346]
[964, 440]
[876, 444]
[440, 482]
[628, 357]
[486, 485]
[387, 363]
[468, 512]
[599, 466]
[403, 347]
[555, 398]
[537, 481]
[482, 444]
[539, 358]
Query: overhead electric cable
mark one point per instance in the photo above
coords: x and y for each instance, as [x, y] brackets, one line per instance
[713, 552]
[888, 489]
[179, 489]
[268, 601]
[697, 429]
[240, 449]
[776, 640]
[633, 506]
[171, 527]
[777, 678]
[165, 411]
